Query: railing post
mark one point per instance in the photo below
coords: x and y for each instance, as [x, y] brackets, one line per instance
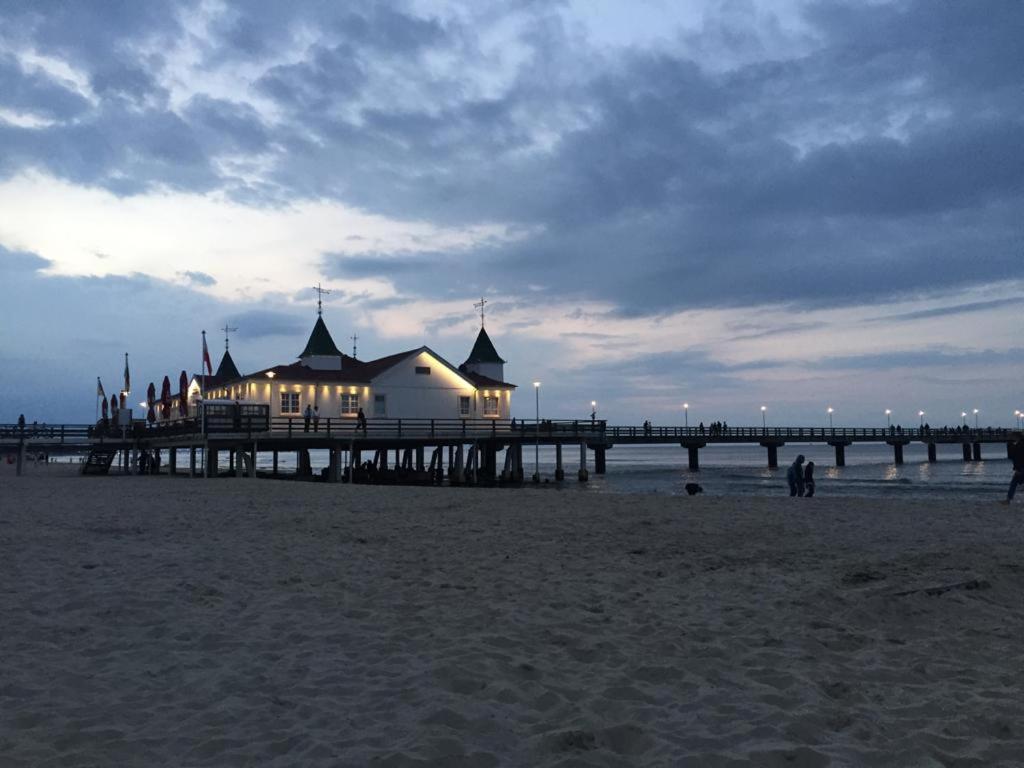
[463, 427]
[431, 427]
[289, 426]
[329, 427]
[399, 427]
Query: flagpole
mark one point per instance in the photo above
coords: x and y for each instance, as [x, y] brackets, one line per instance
[96, 400]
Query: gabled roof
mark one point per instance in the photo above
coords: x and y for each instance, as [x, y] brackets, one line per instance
[227, 370]
[320, 341]
[483, 350]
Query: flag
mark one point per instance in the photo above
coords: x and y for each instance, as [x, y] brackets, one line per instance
[206, 356]
[127, 377]
[99, 389]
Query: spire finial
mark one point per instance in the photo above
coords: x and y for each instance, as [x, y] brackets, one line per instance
[319, 299]
[355, 338]
[227, 329]
[480, 305]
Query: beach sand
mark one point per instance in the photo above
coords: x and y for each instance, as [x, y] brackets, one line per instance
[168, 621]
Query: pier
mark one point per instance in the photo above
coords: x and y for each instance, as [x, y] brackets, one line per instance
[430, 451]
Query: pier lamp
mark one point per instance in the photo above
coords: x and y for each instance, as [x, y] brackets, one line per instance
[888, 418]
[686, 414]
[593, 409]
[764, 419]
[830, 410]
[975, 418]
[963, 418]
[536, 435]
[271, 374]
[920, 415]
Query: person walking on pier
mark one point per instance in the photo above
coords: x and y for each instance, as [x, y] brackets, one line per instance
[1017, 457]
[316, 418]
[795, 476]
[361, 421]
[307, 415]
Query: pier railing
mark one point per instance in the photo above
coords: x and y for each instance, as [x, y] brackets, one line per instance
[810, 434]
[477, 429]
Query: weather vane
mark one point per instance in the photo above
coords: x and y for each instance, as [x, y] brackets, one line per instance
[355, 338]
[480, 305]
[227, 329]
[319, 298]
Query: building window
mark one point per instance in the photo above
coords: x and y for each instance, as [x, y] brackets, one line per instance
[463, 405]
[380, 405]
[423, 370]
[490, 406]
[349, 405]
[290, 404]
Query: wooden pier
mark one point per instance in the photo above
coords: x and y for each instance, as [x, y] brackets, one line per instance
[429, 451]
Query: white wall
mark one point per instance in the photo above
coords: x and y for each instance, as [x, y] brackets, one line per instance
[409, 395]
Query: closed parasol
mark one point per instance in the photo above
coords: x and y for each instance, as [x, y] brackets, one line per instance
[150, 402]
[113, 405]
[183, 395]
[104, 409]
[165, 398]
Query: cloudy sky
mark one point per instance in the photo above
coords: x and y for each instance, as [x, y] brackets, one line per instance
[727, 203]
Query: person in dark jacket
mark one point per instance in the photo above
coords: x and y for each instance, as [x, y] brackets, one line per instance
[795, 476]
[809, 480]
[1017, 457]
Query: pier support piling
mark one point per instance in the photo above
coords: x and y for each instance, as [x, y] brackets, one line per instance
[977, 451]
[212, 454]
[559, 469]
[773, 455]
[192, 461]
[840, 454]
[967, 451]
[694, 457]
[172, 461]
[932, 453]
[419, 459]
[897, 453]
[599, 461]
[583, 475]
[274, 470]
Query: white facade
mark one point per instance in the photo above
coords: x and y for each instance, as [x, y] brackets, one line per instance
[420, 385]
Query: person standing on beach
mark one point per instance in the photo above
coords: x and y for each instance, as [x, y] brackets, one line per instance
[795, 476]
[306, 416]
[809, 480]
[1017, 457]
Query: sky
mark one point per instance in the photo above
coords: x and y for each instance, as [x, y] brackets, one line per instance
[725, 203]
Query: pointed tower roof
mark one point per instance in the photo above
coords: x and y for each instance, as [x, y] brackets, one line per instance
[227, 370]
[320, 341]
[483, 350]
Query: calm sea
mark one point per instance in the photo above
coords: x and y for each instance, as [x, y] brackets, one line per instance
[742, 470]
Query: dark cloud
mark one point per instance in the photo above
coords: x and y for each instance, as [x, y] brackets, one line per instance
[260, 323]
[955, 309]
[197, 278]
[21, 261]
[877, 160]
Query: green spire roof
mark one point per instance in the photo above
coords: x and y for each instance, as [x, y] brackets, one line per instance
[320, 341]
[483, 350]
[227, 370]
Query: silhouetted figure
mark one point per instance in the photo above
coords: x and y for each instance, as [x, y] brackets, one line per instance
[1017, 457]
[795, 476]
[236, 412]
[316, 418]
[513, 426]
[693, 489]
[701, 427]
[307, 415]
[361, 421]
[809, 480]
[21, 424]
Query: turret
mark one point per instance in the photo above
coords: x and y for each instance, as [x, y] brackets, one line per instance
[484, 359]
[320, 353]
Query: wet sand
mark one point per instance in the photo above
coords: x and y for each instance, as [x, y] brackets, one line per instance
[167, 621]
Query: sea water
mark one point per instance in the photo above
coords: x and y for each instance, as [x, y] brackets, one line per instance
[731, 470]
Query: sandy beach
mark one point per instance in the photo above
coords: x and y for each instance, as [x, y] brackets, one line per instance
[167, 621]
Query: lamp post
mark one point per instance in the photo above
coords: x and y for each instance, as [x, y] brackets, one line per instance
[963, 418]
[593, 411]
[764, 419]
[888, 418]
[920, 415]
[686, 414]
[975, 418]
[830, 409]
[536, 435]
[1017, 414]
